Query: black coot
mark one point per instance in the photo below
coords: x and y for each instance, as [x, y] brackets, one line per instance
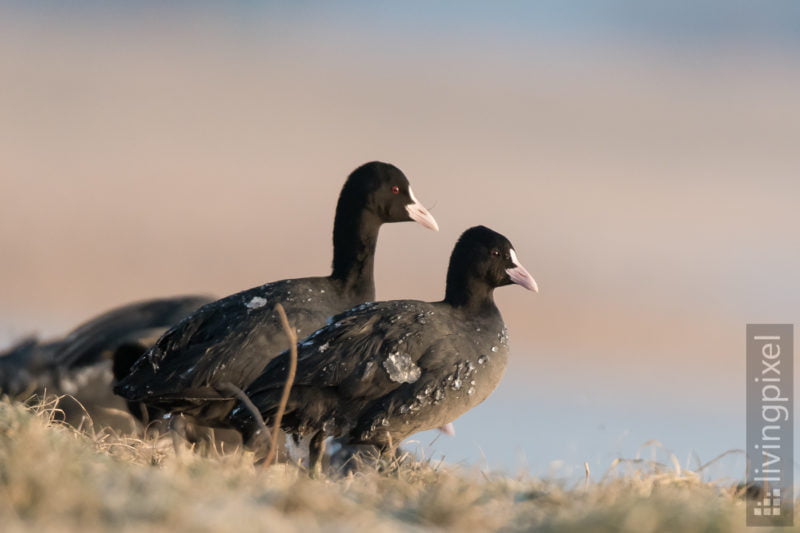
[31, 365]
[196, 366]
[80, 363]
[382, 371]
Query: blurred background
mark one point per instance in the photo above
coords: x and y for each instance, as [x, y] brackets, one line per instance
[644, 159]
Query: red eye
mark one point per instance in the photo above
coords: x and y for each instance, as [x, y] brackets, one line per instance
[395, 189]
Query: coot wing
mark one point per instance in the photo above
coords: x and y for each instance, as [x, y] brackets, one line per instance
[228, 340]
[364, 352]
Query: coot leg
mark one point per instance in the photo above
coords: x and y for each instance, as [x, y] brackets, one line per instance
[177, 426]
[316, 451]
[144, 415]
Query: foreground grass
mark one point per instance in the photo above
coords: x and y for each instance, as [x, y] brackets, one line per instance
[54, 478]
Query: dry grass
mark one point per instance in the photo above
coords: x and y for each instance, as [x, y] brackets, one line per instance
[55, 478]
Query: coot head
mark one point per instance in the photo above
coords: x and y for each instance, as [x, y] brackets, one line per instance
[482, 260]
[383, 190]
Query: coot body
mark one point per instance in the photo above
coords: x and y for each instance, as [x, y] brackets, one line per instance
[382, 371]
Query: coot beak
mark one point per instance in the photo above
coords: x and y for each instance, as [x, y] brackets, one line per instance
[418, 213]
[448, 429]
[520, 276]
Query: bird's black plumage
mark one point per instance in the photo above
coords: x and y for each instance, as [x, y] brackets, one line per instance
[32, 365]
[80, 363]
[382, 371]
[229, 342]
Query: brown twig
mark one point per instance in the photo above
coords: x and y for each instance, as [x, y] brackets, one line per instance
[287, 387]
[236, 392]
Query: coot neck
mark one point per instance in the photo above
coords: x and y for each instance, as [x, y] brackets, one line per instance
[470, 295]
[355, 237]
